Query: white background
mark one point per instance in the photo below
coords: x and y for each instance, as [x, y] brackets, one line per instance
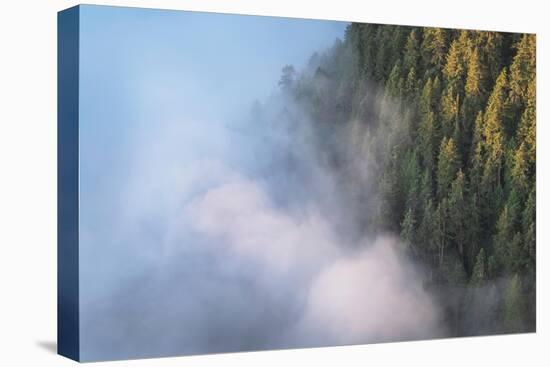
[28, 182]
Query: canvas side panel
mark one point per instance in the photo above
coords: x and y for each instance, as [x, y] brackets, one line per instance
[68, 342]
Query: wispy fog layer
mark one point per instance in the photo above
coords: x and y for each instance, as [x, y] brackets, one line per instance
[209, 228]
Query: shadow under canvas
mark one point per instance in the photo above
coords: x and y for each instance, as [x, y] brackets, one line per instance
[48, 345]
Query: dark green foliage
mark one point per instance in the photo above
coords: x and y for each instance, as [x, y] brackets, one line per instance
[458, 216]
[479, 274]
[454, 70]
[512, 314]
[408, 228]
[434, 49]
[522, 70]
[446, 122]
[411, 55]
[447, 166]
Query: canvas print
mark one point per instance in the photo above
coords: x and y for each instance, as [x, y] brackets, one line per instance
[234, 183]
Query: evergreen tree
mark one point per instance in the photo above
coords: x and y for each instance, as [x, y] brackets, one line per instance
[520, 172]
[527, 125]
[411, 84]
[408, 228]
[287, 77]
[427, 139]
[479, 272]
[410, 180]
[426, 186]
[427, 102]
[528, 225]
[436, 93]
[506, 243]
[397, 43]
[383, 55]
[447, 166]
[426, 230]
[394, 85]
[434, 49]
[458, 213]
[496, 112]
[474, 89]
[512, 312]
[450, 107]
[390, 197]
[439, 232]
[454, 68]
[477, 136]
[522, 70]
[494, 137]
[412, 51]
[474, 82]
[489, 46]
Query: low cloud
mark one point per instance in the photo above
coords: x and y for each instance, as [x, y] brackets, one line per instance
[240, 237]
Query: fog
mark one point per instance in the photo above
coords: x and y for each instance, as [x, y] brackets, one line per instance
[210, 220]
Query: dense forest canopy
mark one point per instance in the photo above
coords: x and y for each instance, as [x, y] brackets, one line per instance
[443, 122]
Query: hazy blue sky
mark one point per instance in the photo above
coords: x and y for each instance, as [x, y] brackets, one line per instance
[203, 55]
[141, 69]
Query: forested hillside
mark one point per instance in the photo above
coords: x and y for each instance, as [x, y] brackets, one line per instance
[443, 123]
